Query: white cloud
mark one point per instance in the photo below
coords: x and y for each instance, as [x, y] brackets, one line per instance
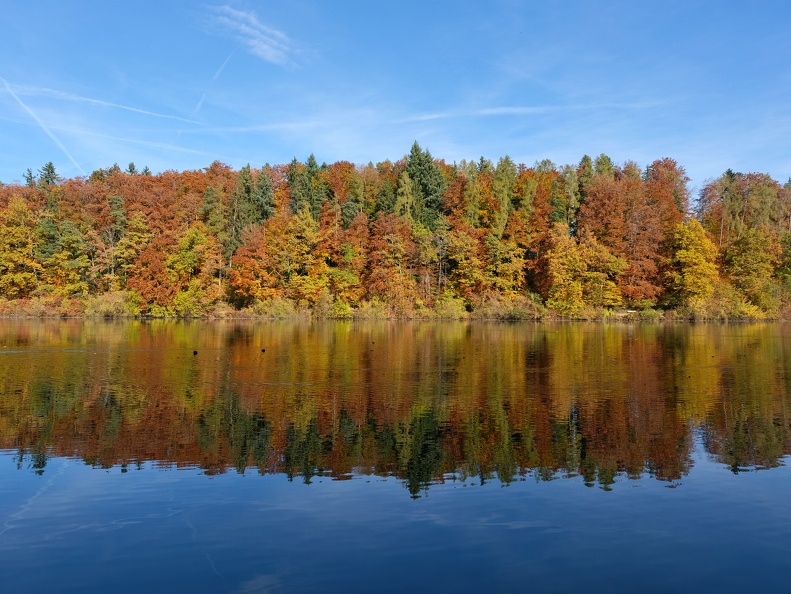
[263, 42]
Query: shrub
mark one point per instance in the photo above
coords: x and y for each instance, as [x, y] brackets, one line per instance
[450, 306]
[276, 308]
[113, 304]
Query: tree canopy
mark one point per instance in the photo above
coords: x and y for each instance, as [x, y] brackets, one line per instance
[409, 237]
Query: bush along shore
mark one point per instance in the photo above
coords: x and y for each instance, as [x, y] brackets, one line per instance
[417, 238]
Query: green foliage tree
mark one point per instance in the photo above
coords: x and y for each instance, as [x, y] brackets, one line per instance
[429, 184]
[30, 178]
[584, 175]
[565, 198]
[131, 244]
[47, 176]
[241, 210]
[405, 203]
[750, 262]
[264, 196]
[307, 187]
[603, 165]
[196, 261]
[214, 214]
[503, 190]
[67, 269]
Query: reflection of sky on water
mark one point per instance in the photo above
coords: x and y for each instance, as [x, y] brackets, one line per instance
[76, 528]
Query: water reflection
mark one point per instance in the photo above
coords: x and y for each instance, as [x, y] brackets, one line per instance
[426, 402]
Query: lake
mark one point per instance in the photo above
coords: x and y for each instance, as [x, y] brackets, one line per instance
[392, 456]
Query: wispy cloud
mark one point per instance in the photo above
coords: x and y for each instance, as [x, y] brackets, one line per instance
[167, 147]
[41, 125]
[45, 92]
[264, 42]
[523, 110]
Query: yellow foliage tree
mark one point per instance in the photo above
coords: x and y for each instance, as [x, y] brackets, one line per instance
[19, 269]
[565, 270]
[693, 272]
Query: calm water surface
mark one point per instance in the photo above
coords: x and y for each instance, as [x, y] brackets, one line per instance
[358, 457]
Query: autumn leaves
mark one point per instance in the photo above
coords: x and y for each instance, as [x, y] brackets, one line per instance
[402, 239]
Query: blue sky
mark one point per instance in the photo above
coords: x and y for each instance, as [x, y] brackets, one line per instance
[179, 84]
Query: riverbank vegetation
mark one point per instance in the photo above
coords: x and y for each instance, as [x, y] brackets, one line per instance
[415, 238]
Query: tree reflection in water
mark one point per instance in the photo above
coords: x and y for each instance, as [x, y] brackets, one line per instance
[425, 402]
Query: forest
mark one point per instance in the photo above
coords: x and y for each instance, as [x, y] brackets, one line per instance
[414, 238]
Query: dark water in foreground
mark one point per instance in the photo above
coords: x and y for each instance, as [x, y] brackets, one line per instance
[393, 456]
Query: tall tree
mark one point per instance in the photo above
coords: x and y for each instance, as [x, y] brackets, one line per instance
[503, 191]
[429, 184]
[750, 261]
[47, 176]
[693, 270]
[263, 196]
[19, 268]
[307, 186]
[565, 198]
[242, 211]
[391, 277]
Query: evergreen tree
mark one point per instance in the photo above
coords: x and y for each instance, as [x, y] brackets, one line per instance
[214, 214]
[264, 196]
[118, 214]
[603, 165]
[565, 198]
[307, 187]
[355, 202]
[584, 176]
[428, 182]
[241, 210]
[47, 175]
[30, 178]
[47, 237]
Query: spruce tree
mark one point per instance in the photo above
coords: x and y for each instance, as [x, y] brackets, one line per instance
[242, 212]
[429, 184]
[264, 196]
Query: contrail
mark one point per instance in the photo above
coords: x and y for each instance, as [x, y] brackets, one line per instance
[101, 102]
[199, 105]
[42, 125]
[216, 75]
[221, 68]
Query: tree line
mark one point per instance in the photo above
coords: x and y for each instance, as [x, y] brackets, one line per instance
[411, 238]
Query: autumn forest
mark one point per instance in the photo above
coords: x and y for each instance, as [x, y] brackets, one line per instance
[415, 238]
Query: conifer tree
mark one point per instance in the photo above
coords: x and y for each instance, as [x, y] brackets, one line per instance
[264, 196]
[428, 182]
[241, 210]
